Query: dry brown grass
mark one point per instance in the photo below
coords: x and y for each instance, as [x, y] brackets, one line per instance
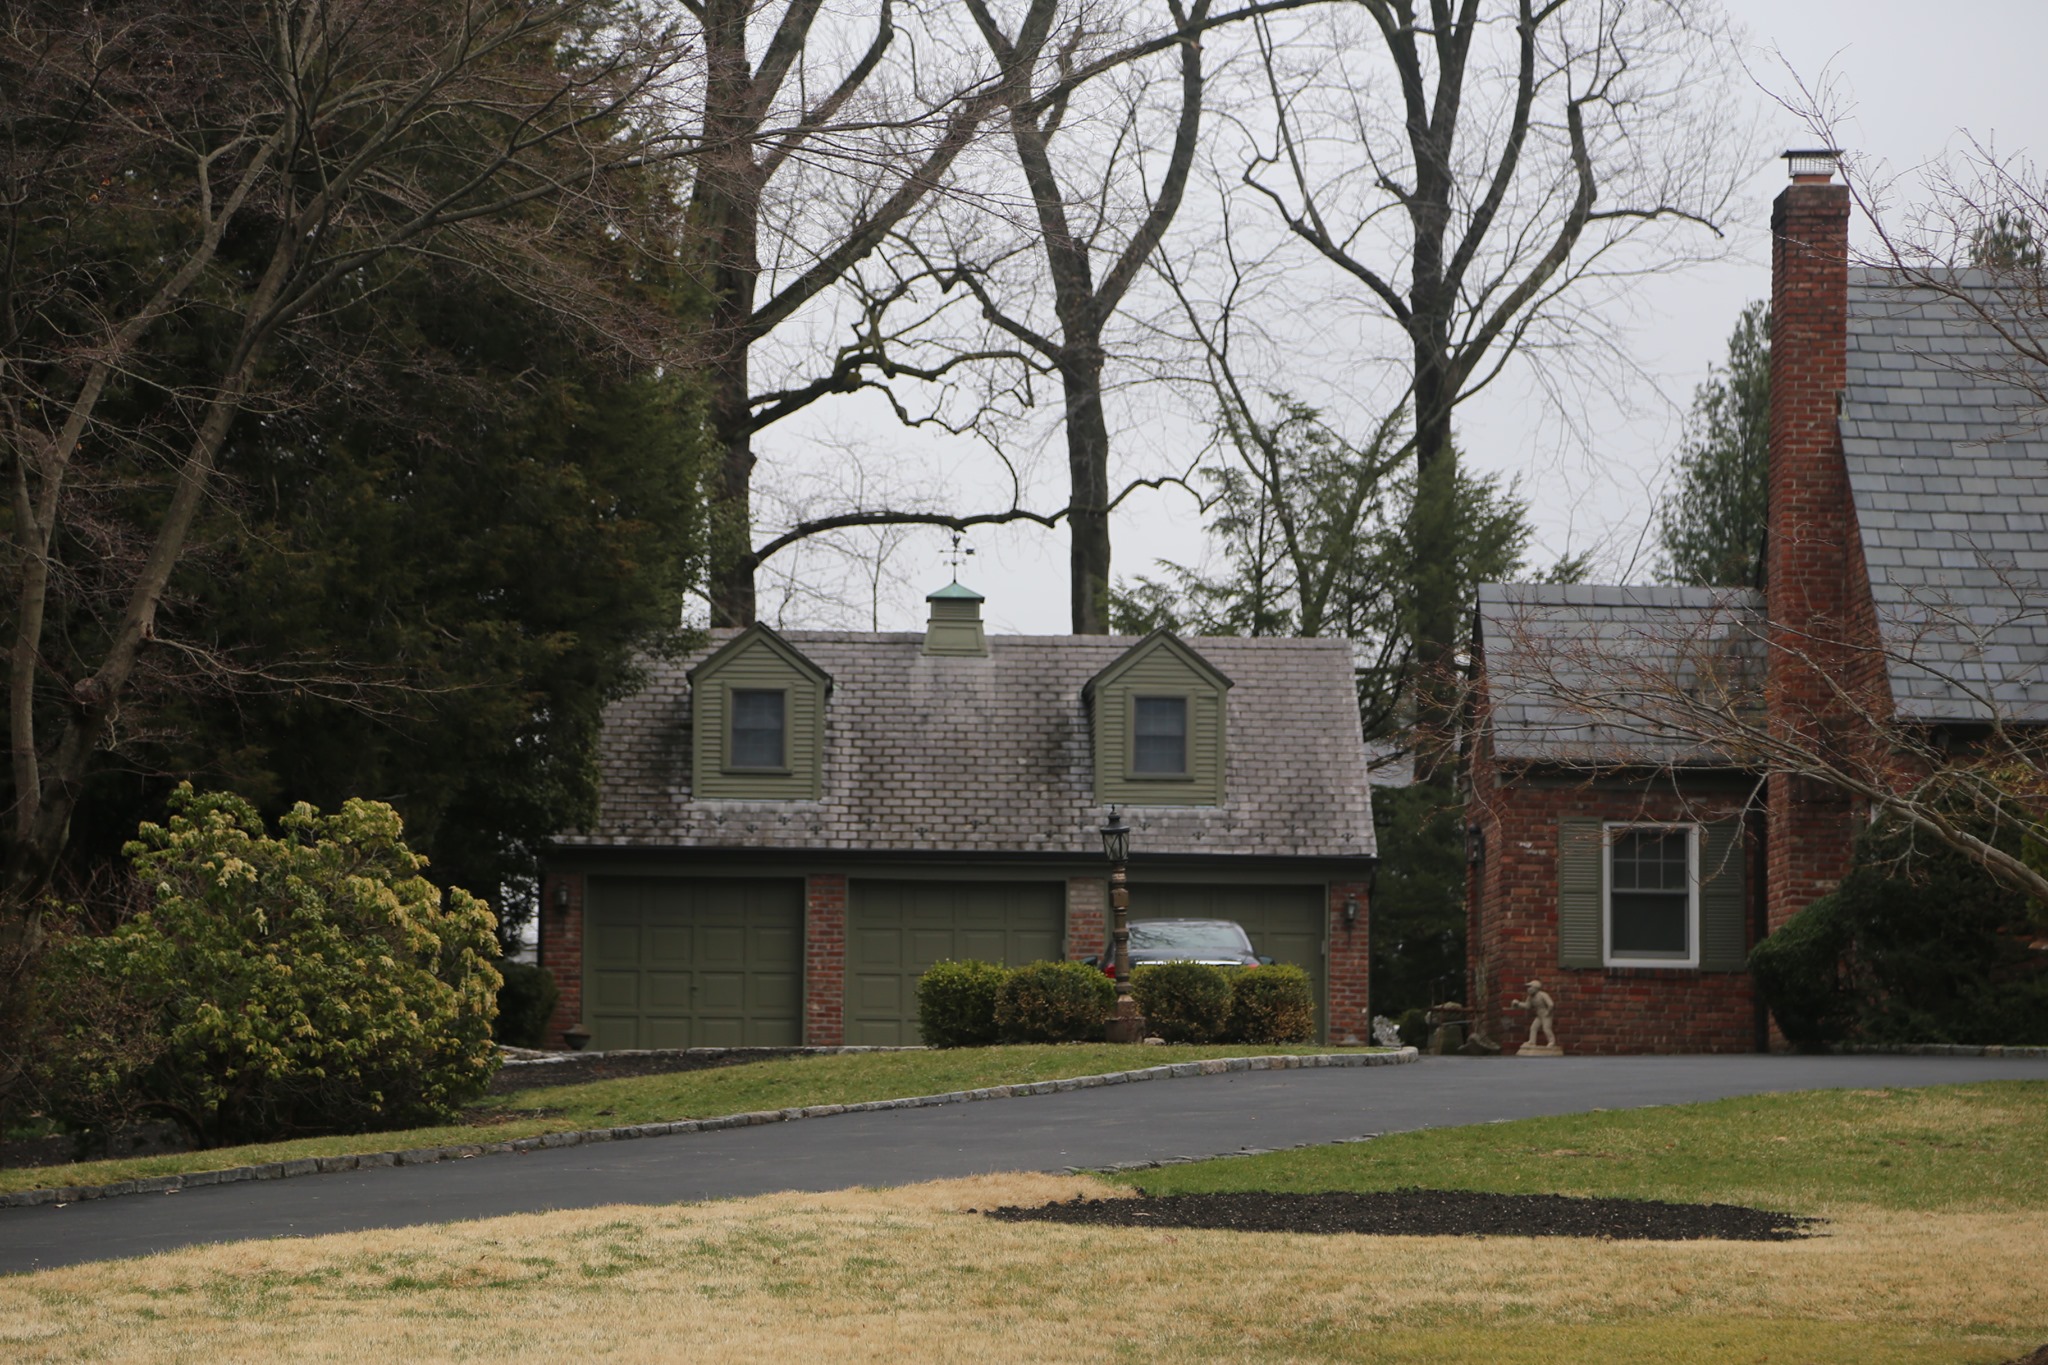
[907, 1274]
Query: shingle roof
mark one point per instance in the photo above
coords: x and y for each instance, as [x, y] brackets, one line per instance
[1590, 676]
[1948, 465]
[992, 755]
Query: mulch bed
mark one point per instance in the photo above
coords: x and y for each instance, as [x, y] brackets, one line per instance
[1427, 1213]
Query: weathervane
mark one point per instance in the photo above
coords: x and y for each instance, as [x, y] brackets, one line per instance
[958, 555]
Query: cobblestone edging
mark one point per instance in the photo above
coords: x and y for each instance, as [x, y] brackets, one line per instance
[522, 1059]
[1935, 1050]
[423, 1156]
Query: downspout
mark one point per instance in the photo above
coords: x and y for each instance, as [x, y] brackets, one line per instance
[1760, 912]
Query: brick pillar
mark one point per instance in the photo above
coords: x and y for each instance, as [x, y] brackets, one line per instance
[561, 951]
[825, 960]
[1087, 917]
[1349, 970]
[1812, 543]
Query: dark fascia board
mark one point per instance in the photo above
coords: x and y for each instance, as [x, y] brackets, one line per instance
[1158, 639]
[1305, 867]
[789, 653]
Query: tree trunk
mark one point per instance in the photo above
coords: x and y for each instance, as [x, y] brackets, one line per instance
[725, 208]
[1088, 471]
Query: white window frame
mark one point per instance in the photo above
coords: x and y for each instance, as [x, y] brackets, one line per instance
[1609, 830]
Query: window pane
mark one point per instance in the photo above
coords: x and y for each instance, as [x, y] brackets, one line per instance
[756, 729]
[1650, 898]
[1647, 923]
[1650, 860]
[1159, 742]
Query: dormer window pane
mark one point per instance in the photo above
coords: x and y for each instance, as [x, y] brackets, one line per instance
[758, 729]
[1159, 739]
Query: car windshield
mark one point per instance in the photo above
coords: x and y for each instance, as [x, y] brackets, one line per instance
[1189, 938]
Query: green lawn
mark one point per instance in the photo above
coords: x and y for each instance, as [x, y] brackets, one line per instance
[848, 1078]
[1961, 1148]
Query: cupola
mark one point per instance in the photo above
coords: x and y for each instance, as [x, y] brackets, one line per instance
[954, 628]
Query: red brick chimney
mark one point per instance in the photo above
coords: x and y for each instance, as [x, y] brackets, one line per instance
[1812, 546]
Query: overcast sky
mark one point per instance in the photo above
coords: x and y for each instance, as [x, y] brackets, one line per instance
[1913, 79]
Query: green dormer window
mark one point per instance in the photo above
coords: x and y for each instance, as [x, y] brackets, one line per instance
[1159, 737]
[759, 729]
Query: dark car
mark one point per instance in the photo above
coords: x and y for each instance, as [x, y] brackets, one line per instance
[1218, 942]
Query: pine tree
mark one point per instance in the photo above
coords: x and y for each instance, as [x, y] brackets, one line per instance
[1711, 526]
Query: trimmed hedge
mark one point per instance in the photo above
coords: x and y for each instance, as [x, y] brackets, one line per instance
[1053, 1002]
[956, 1003]
[1183, 1002]
[1275, 1004]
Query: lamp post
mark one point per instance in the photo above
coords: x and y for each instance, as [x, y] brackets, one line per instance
[1126, 1025]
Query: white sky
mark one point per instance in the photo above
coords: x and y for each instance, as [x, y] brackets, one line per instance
[1913, 79]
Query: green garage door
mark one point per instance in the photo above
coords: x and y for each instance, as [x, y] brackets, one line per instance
[671, 963]
[1285, 922]
[894, 930]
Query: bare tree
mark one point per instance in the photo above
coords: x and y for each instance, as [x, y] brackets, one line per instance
[182, 187]
[1469, 168]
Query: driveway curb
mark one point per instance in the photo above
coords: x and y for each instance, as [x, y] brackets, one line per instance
[422, 1156]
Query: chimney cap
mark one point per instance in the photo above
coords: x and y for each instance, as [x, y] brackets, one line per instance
[954, 592]
[1813, 165]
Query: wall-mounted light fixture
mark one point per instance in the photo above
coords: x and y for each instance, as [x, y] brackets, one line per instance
[1350, 911]
[561, 895]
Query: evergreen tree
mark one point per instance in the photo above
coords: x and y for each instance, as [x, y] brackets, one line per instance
[1711, 526]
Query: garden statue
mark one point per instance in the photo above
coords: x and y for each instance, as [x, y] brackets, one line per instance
[1385, 1031]
[1541, 1006]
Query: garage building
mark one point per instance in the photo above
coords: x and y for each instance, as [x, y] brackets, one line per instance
[793, 827]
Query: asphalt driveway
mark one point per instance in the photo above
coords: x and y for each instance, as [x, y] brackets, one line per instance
[1195, 1116]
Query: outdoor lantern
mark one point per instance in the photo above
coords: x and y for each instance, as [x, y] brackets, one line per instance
[1350, 911]
[1116, 837]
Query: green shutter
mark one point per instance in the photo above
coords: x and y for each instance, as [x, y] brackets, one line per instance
[1579, 875]
[1724, 929]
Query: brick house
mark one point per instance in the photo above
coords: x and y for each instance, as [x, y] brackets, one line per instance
[793, 826]
[1626, 863]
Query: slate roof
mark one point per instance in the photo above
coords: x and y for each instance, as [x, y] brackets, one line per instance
[992, 755]
[1590, 676]
[1948, 465]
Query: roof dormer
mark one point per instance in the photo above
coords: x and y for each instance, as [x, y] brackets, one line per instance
[757, 709]
[1159, 715]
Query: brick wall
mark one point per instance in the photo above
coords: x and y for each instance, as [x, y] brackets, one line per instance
[561, 951]
[1511, 908]
[1349, 972]
[1087, 917]
[825, 960]
[1813, 551]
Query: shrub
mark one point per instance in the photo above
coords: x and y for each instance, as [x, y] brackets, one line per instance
[1919, 944]
[1414, 1027]
[308, 983]
[1273, 1004]
[525, 1004]
[1053, 1002]
[1798, 971]
[956, 1003]
[1183, 1002]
